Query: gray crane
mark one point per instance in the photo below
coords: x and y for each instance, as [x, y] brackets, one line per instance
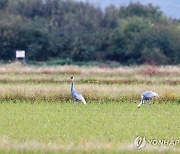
[75, 94]
[147, 95]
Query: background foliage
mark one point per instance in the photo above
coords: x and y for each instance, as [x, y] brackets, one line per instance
[78, 31]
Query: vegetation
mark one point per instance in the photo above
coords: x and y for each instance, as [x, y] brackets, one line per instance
[99, 127]
[97, 84]
[65, 31]
[39, 116]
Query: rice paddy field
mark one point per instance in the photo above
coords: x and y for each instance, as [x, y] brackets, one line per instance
[37, 114]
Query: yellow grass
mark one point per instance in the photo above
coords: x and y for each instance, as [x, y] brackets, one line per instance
[18, 68]
[89, 91]
[95, 83]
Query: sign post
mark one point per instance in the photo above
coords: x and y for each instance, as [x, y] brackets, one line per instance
[20, 55]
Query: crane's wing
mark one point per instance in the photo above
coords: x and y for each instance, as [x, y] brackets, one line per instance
[77, 96]
[149, 94]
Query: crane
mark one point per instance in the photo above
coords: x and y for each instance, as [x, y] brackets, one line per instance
[75, 94]
[147, 95]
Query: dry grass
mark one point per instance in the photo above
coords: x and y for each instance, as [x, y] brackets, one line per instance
[95, 79]
[85, 147]
[124, 70]
[90, 92]
[95, 83]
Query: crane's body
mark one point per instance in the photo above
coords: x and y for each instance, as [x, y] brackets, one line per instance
[75, 94]
[147, 95]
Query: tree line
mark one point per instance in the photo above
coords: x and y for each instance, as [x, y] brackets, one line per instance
[79, 31]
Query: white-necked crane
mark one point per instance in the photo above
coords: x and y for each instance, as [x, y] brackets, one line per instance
[147, 95]
[75, 94]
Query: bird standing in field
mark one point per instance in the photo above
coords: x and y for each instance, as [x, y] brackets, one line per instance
[147, 95]
[75, 94]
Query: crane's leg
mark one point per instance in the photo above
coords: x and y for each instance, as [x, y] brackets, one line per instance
[75, 102]
[148, 103]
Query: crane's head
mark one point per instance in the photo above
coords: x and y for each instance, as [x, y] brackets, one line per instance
[72, 78]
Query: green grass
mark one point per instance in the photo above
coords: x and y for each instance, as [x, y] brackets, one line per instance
[105, 126]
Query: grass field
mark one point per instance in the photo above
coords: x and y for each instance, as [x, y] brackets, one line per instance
[38, 114]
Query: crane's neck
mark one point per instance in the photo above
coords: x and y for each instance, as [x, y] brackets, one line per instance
[142, 100]
[72, 85]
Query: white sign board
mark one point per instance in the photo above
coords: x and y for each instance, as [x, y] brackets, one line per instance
[20, 54]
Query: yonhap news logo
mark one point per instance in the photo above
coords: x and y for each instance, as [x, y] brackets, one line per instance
[141, 142]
